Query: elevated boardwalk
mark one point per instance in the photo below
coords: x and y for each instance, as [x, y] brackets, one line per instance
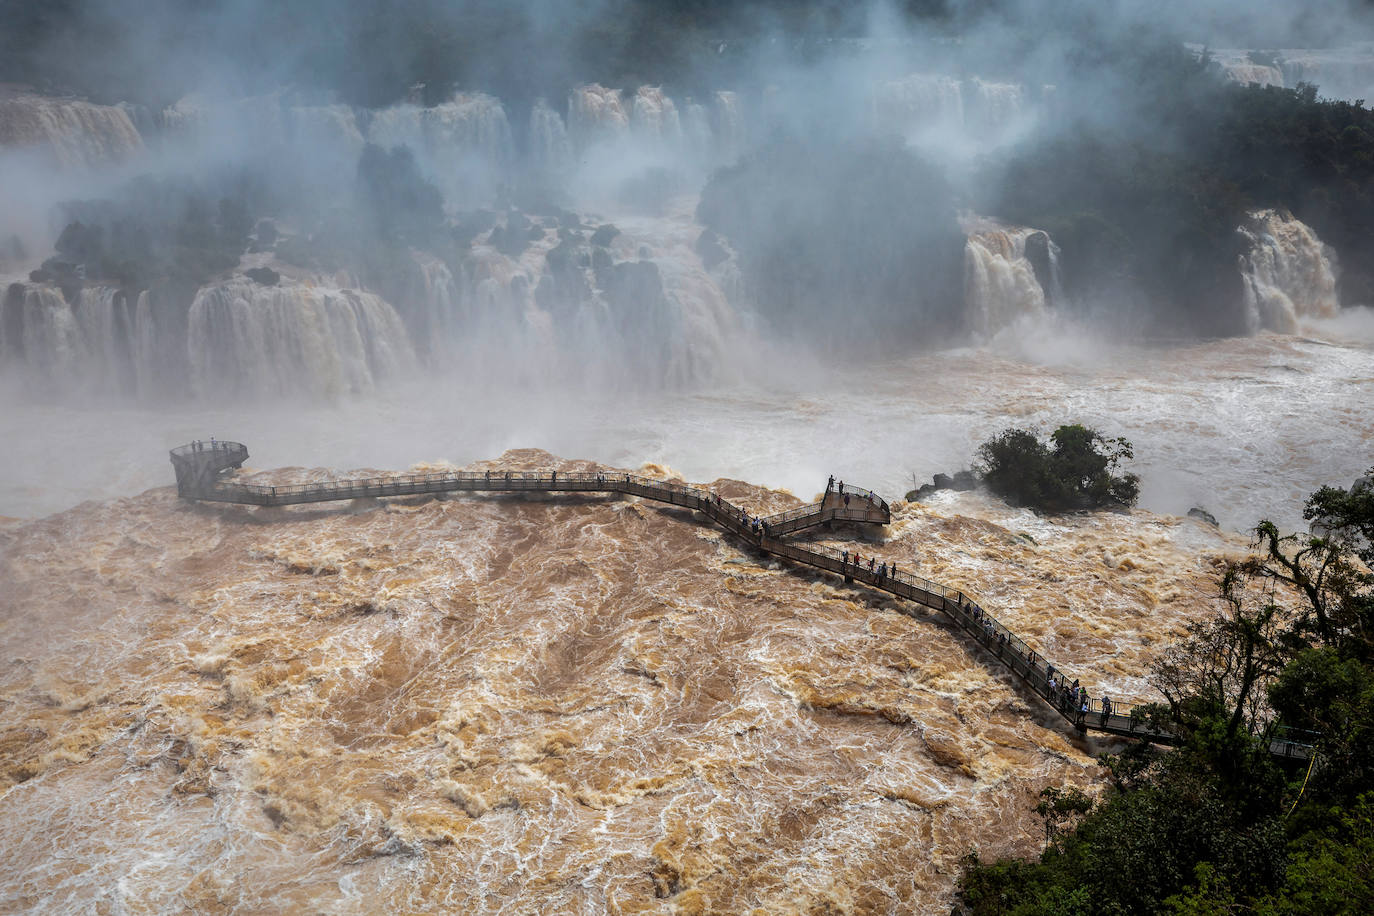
[201, 467]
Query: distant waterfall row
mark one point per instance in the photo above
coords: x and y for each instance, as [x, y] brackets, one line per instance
[635, 307]
[1288, 274]
[239, 338]
[619, 309]
[75, 134]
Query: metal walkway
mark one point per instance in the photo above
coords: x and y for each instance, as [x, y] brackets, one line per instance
[201, 467]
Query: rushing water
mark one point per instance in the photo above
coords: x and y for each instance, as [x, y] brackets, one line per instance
[571, 705]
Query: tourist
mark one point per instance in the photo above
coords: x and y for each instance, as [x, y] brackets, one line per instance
[1106, 708]
[830, 484]
[844, 557]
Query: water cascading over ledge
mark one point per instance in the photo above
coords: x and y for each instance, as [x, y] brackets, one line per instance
[1010, 273]
[72, 133]
[247, 339]
[1288, 274]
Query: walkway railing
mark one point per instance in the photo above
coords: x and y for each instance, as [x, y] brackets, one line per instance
[199, 476]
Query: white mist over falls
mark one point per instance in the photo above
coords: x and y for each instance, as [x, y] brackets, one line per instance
[536, 302]
[584, 705]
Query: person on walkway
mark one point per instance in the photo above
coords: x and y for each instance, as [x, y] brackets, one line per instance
[830, 484]
[893, 570]
[871, 561]
[1083, 709]
[882, 571]
[844, 557]
[1106, 708]
[842, 491]
[846, 500]
[555, 478]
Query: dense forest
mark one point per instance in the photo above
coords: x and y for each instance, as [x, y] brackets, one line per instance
[1218, 825]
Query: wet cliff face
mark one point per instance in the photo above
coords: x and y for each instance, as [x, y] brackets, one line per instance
[567, 704]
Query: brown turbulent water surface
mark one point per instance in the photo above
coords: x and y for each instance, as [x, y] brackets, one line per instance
[548, 704]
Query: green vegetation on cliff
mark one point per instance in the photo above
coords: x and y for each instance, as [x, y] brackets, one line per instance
[1217, 825]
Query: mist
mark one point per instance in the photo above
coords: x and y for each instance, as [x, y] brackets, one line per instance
[230, 205]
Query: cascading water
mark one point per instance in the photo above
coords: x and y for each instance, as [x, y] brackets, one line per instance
[595, 113]
[1002, 282]
[464, 144]
[1288, 273]
[550, 149]
[638, 309]
[75, 134]
[94, 345]
[266, 341]
[655, 116]
[918, 102]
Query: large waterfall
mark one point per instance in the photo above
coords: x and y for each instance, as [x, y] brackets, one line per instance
[1288, 273]
[73, 133]
[101, 343]
[633, 307]
[239, 339]
[1010, 273]
[247, 339]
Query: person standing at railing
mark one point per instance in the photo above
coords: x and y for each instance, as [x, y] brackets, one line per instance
[1106, 708]
[830, 484]
[844, 557]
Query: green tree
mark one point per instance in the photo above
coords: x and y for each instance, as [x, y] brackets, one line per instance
[1075, 470]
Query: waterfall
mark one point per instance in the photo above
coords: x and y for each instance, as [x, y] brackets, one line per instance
[100, 343]
[655, 116]
[550, 149]
[1002, 282]
[1288, 273]
[464, 145]
[595, 113]
[77, 135]
[246, 339]
[993, 105]
[917, 102]
[641, 309]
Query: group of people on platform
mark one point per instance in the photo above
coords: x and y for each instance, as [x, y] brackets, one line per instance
[880, 570]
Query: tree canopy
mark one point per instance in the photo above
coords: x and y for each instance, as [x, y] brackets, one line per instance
[1073, 470]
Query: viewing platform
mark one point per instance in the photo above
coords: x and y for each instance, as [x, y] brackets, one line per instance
[202, 471]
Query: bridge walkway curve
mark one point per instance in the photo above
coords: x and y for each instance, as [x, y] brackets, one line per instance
[201, 467]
